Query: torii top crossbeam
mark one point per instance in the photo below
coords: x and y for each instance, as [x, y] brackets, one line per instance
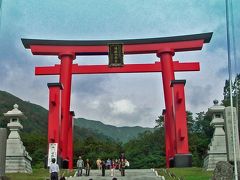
[131, 46]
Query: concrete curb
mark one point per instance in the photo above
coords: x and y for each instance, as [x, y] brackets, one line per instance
[156, 173]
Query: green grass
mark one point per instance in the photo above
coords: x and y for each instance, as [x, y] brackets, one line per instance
[38, 174]
[188, 173]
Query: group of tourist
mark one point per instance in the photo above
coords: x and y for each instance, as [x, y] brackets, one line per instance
[102, 165]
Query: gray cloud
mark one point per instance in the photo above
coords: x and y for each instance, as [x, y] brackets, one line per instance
[200, 95]
[222, 72]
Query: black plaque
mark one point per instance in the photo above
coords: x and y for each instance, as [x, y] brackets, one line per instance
[115, 55]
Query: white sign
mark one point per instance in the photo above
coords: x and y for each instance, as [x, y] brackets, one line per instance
[52, 152]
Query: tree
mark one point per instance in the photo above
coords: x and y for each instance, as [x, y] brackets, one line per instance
[235, 92]
[190, 121]
[200, 133]
[31, 141]
[93, 147]
[235, 95]
[147, 150]
[159, 121]
[199, 137]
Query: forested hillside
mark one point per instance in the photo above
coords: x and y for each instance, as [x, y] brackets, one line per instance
[122, 134]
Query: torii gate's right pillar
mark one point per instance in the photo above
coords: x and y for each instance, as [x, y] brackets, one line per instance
[175, 116]
[182, 157]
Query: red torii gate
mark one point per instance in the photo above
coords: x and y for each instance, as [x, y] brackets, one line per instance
[177, 152]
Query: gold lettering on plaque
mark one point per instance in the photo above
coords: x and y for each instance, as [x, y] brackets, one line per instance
[115, 55]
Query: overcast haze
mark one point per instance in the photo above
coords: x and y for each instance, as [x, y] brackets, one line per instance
[117, 99]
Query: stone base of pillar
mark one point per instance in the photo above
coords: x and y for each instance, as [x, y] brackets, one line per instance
[212, 159]
[65, 164]
[3, 141]
[19, 164]
[183, 160]
[171, 162]
[17, 158]
[3, 178]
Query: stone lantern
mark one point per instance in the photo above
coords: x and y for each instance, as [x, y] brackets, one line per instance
[217, 148]
[217, 122]
[14, 125]
[17, 158]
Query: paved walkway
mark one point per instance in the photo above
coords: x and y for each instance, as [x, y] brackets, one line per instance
[130, 174]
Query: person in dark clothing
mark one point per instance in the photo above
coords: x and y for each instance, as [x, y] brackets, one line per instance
[103, 167]
[122, 156]
[62, 178]
[87, 167]
[122, 167]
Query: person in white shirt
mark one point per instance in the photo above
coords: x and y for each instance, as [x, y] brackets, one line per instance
[53, 170]
[80, 166]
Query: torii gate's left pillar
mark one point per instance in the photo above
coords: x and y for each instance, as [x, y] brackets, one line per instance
[54, 115]
[166, 60]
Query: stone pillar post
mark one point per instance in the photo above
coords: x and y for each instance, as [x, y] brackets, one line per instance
[3, 142]
[229, 133]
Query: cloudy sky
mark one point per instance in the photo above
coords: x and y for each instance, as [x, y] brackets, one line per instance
[117, 99]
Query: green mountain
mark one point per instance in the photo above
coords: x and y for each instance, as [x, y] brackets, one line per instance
[123, 134]
[37, 117]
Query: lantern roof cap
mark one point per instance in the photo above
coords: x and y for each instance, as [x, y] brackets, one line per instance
[216, 107]
[15, 112]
